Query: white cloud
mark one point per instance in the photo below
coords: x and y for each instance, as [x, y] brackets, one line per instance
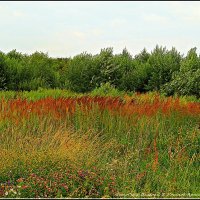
[8, 13]
[118, 22]
[69, 28]
[96, 32]
[70, 42]
[186, 11]
[18, 14]
[79, 35]
[156, 18]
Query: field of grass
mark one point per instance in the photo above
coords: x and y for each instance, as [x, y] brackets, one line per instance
[56, 143]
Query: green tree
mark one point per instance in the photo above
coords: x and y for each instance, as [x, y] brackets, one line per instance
[187, 80]
[123, 73]
[106, 69]
[143, 56]
[162, 64]
[43, 69]
[79, 73]
[16, 63]
[2, 71]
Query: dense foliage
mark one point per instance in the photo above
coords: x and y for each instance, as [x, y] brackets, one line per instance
[161, 70]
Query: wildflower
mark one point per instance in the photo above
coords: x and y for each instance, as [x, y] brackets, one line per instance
[32, 175]
[140, 175]
[20, 180]
[24, 186]
[65, 186]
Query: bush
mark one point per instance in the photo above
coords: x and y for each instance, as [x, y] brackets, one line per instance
[106, 89]
[184, 83]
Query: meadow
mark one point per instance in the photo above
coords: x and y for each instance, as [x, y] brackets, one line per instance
[57, 143]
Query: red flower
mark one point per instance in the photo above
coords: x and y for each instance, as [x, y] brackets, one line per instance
[24, 187]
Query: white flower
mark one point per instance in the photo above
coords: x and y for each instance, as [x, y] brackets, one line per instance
[6, 193]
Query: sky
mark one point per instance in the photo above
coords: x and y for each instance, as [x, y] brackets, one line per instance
[68, 28]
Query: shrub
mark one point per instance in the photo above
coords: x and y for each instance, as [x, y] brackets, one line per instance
[106, 89]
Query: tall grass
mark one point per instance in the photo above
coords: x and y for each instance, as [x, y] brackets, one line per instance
[87, 146]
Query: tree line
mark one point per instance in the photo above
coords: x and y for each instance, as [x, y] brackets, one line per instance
[162, 70]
